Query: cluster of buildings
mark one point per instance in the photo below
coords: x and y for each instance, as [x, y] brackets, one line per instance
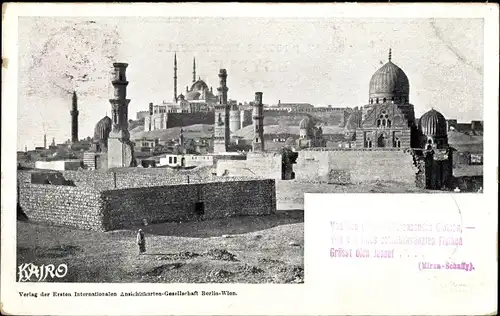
[387, 121]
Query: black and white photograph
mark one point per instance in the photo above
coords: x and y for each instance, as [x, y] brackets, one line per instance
[179, 149]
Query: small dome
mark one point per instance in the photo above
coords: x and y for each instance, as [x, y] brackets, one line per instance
[102, 129]
[389, 82]
[433, 123]
[354, 120]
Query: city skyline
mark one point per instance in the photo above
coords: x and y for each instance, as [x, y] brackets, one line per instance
[437, 54]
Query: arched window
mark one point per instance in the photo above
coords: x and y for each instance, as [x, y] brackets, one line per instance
[378, 123]
[376, 101]
[385, 100]
[388, 123]
[397, 143]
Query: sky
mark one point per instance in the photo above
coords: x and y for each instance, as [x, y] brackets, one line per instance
[312, 60]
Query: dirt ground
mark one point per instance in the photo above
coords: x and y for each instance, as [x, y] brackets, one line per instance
[249, 249]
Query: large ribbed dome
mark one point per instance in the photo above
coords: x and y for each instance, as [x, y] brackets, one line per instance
[433, 123]
[390, 83]
[102, 129]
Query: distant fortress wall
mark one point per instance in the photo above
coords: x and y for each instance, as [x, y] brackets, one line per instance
[186, 119]
[326, 116]
[293, 118]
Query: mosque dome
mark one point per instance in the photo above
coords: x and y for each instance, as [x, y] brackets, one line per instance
[199, 85]
[354, 120]
[193, 95]
[102, 129]
[433, 123]
[389, 83]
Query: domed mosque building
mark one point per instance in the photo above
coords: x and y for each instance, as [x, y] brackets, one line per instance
[388, 122]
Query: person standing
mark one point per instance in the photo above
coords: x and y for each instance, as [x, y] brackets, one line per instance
[141, 241]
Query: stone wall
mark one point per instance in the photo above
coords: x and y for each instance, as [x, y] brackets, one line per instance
[62, 205]
[89, 208]
[186, 119]
[334, 118]
[355, 166]
[261, 165]
[129, 207]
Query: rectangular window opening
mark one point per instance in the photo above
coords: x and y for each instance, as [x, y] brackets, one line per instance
[199, 208]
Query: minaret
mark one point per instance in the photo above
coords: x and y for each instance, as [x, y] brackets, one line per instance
[25, 148]
[258, 123]
[45, 141]
[74, 119]
[390, 54]
[175, 77]
[120, 148]
[53, 142]
[194, 69]
[221, 130]
[181, 138]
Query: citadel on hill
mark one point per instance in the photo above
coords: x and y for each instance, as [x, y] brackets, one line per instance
[381, 140]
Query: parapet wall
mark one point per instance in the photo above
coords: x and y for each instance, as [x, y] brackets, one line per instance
[355, 166]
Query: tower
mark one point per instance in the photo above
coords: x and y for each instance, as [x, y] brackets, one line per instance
[120, 148]
[258, 123]
[45, 141]
[221, 130]
[181, 138]
[194, 69]
[53, 142]
[74, 119]
[234, 119]
[175, 77]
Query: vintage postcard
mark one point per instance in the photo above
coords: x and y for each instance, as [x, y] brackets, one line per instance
[200, 158]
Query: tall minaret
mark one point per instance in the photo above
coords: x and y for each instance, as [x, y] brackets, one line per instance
[45, 141]
[120, 148]
[221, 130]
[74, 119]
[53, 142]
[175, 77]
[258, 123]
[194, 69]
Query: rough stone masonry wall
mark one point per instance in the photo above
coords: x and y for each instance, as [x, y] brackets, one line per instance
[130, 207]
[62, 205]
[355, 166]
[261, 165]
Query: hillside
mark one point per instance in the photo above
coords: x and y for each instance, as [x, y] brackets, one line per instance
[193, 131]
[461, 141]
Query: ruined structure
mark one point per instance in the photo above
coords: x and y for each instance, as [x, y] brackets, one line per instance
[258, 123]
[221, 129]
[120, 148]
